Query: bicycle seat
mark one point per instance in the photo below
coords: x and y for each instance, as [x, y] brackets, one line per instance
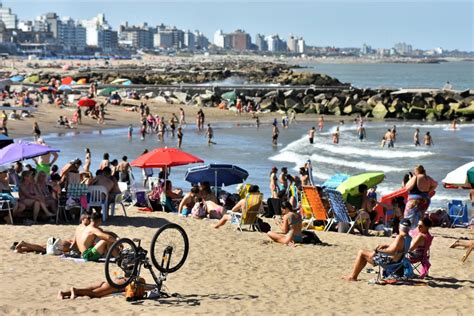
[136, 240]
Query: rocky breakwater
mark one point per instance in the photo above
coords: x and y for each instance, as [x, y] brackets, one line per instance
[424, 104]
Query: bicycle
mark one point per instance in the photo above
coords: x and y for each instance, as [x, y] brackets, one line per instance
[125, 259]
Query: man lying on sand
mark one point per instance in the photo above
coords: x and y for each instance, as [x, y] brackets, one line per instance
[383, 254]
[66, 246]
[94, 242]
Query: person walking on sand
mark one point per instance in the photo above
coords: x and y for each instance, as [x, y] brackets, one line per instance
[275, 133]
[416, 137]
[321, 123]
[335, 136]
[180, 137]
[311, 134]
[36, 131]
[209, 134]
[428, 140]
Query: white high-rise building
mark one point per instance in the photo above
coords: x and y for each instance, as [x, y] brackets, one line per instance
[93, 28]
[292, 44]
[300, 46]
[9, 19]
[71, 36]
[219, 38]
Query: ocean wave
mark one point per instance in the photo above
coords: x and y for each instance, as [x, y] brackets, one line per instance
[354, 164]
[299, 161]
[376, 153]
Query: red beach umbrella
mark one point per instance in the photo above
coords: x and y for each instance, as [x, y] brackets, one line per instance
[47, 89]
[67, 80]
[86, 102]
[165, 157]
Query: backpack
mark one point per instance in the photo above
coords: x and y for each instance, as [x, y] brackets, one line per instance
[310, 237]
[53, 246]
[135, 290]
[262, 226]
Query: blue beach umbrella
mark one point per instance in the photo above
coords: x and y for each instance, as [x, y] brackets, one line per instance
[17, 78]
[65, 87]
[217, 174]
[335, 180]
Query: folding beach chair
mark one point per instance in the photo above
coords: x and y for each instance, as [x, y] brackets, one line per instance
[467, 253]
[422, 265]
[401, 269]
[458, 213]
[120, 198]
[312, 206]
[248, 217]
[6, 206]
[339, 209]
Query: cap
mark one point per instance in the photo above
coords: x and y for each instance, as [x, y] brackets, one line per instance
[405, 222]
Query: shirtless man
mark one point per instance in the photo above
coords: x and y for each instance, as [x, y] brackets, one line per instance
[275, 133]
[361, 132]
[188, 201]
[124, 168]
[94, 242]
[106, 180]
[321, 123]
[210, 134]
[44, 162]
[428, 140]
[388, 139]
[416, 137]
[311, 134]
[105, 162]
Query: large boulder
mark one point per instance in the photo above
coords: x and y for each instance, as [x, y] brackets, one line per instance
[307, 99]
[320, 97]
[290, 102]
[333, 104]
[181, 96]
[267, 104]
[298, 108]
[379, 111]
[374, 100]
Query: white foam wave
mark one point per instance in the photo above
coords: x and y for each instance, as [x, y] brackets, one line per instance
[354, 164]
[299, 161]
[376, 153]
[443, 196]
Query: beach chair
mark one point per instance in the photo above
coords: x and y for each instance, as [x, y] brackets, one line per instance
[120, 198]
[422, 265]
[467, 253]
[339, 209]
[458, 213]
[401, 269]
[312, 207]
[244, 190]
[248, 217]
[98, 197]
[6, 206]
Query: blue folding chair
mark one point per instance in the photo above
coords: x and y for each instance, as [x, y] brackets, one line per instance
[458, 213]
[339, 209]
[400, 269]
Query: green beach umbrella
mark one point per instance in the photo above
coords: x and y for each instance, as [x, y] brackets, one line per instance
[32, 79]
[351, 185]
[470, 175]
[230, 96]
[107, 91]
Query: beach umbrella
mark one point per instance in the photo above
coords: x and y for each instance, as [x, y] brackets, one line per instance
[64, 87]
[23, 150]
[107, 91]
[32, 79]
[5, 141]
[351, 185]
[165, 157]
[122, 81]
[459, 178]
[230, 96]
[82, 81]
[17, 78]
[67, 80]
[86, 102]
[217, 174]
[47, 89]
[335, 180]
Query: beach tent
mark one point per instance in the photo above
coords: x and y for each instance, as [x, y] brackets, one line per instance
[17, 78]
[122, 81]
[86, 102]
[217, 174]
[165, 157]
[107, 91]
[351, 185]
[5, 141]
[230, 96]
[67, 80]
[23, 150]
[460, 178]
[32, 79]
[65, 87]
[82, 81]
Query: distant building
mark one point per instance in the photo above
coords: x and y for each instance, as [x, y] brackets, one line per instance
[300, 46]
[189, 40]
[48, 22]
[240, 40]
[71, 35]
[167, 37]
[221, 40]
[403, 49]
[201, 41]
[292, 44]
[261, 43]
[136, 36]
[275, 44]
[100, 34]
[26, 26]
[163, 39]
[9, 19]
[366, 49]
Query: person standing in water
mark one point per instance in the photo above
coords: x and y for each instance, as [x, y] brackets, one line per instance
[36, 131]
[275, 133]
[454, 124]
[210, 134]
[130, 131]
[428, 140]
[182, 118]
[416, 137]
[361, 132]
[311, 133]
[321, 123]
[335, 136]
[257, 121]
[180, 137]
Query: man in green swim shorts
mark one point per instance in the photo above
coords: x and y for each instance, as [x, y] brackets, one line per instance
[44, 163]
[94, 242]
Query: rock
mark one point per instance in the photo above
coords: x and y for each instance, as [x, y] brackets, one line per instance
[298, 108]
[267, 104]
[348, 109]
[466, 93]
[373, 100]
[468, 111]
[181, 96]
[271, 94]
[418, 101]
[161, 99]
[363, 107]
[333, 104]
[288, 93]
[307, 99]
[320, 97]
[379, 111]
[430, 115]
[310, 111]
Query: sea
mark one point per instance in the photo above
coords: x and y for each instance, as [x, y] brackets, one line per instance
[460, 74]
[251, 148]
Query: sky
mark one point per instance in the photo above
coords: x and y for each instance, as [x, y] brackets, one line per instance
[425, 24]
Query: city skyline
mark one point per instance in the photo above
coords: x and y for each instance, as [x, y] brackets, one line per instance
[350, 29]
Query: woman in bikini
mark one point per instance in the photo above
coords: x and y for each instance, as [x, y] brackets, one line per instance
[291, 226]
[274, 183]
[30, 197]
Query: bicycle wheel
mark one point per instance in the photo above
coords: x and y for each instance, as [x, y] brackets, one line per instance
[169, 248]
[121, 263]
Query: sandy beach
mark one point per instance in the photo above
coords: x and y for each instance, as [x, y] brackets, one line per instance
[230, 272]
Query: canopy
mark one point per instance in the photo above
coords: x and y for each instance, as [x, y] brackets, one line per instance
[17, 78]
[335, 180]
[64, 87]
[32, 79]
[67, 80]
[82, 81]
[5, 141]
[165, 157]
[47, 89]
[86, 102]
[459, 178]
[217, 174]
[230, 96]
[23, 150]
[107, 91]
[351, 185]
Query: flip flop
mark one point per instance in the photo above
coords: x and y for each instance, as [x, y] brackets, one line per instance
[13, 246]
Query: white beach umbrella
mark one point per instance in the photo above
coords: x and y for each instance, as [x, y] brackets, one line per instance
[458, 177]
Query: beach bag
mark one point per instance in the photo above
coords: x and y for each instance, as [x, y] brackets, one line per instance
[53, 246]
[310, 237]
[262, 226]
[135, 290]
